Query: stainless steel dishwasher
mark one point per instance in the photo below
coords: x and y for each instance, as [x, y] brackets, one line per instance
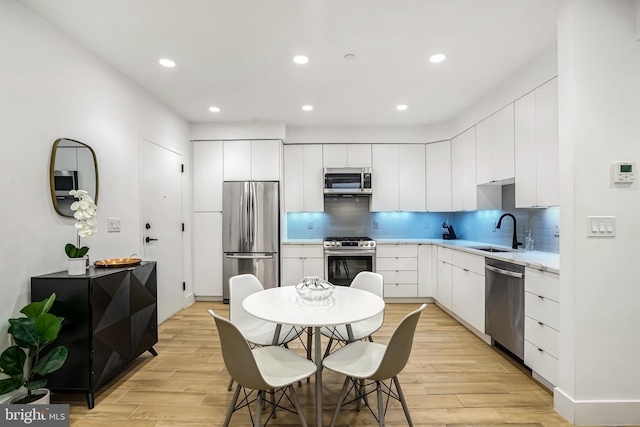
[504, 305]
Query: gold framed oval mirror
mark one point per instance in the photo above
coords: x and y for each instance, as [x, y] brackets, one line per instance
[73, 166]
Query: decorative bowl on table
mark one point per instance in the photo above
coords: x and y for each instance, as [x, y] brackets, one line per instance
[314, 289]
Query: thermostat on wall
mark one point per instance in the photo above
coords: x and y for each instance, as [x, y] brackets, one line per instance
[624, 172]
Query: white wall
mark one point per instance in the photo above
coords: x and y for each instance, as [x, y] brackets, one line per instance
[599, 94]
[50, 88]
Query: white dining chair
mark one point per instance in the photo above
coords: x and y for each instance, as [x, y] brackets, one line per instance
[260, 369]
[364, 360]
[367, 281]
[256, 331]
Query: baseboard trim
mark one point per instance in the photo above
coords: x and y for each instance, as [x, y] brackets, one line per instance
[597, 412]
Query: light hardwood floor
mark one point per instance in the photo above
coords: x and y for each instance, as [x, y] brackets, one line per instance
[452, 379]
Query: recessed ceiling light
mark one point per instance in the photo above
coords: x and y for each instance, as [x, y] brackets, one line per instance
[214, 109]
[167, 63]
[438, 57]
[300, 59]
[401, 107]
[307, 107]
[349, 56]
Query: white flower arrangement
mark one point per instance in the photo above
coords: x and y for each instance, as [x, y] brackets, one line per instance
[85, 212]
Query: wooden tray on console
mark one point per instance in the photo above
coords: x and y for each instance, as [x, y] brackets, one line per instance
[118, 262]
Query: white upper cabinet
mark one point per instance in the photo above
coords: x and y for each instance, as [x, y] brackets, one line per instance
[495, 159]
[536, 133]
[385, 178]
[346, 155]
[438, 160]
[411, 178]
[463, 171]
[252, 160]
[207, 176]
[398, 178]
[303, 178]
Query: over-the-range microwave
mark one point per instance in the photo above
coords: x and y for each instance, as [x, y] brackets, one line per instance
[347, 180]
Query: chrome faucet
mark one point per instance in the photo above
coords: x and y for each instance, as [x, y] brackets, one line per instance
[514, 243]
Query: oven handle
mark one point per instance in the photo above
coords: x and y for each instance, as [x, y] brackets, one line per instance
[350, 252]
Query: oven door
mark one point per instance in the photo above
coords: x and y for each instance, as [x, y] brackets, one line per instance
[341, 266]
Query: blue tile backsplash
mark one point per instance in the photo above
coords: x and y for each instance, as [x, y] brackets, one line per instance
[351, 217]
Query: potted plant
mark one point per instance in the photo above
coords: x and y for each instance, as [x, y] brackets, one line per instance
[85, 211]
[25, 363]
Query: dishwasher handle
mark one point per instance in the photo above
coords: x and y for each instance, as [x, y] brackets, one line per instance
[505, 272]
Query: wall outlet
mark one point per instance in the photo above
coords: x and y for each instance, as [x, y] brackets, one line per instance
[310, 225]
[494, 225]
[426, 225]
[556, 231]
[375, 225]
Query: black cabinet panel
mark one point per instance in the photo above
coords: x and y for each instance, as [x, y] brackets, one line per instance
[111, 317]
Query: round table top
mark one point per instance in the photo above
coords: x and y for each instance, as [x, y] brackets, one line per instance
[283, 305]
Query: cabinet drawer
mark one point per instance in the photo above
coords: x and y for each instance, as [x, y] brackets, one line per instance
[469, 262]
[302, 251]
[399, 276]
[542, 310]
[400, 291]
[542, 283]
[392, 251]
[396, 263]
[541, 362]
[542, 336]
[445, 254]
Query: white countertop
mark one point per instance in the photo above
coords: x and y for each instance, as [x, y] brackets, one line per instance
[535, 259]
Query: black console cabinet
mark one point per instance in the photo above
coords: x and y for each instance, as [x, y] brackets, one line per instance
[111, 317]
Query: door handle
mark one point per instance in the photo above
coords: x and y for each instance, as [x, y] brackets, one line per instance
[149, 239]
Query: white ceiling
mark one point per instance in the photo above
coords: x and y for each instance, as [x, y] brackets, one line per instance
[237, 54]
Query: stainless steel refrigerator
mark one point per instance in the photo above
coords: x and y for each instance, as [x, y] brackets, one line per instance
[251, 232]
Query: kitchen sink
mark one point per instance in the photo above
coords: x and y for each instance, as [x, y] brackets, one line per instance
[492, 249]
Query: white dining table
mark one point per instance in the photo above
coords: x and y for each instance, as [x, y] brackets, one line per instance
[284, 306]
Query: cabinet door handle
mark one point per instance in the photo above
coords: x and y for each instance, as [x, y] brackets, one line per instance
[465, 270]
[540, 296]
[540, 350]
[149, 239]
[540, 323]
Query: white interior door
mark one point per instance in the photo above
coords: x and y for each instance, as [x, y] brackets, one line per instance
[161, 189]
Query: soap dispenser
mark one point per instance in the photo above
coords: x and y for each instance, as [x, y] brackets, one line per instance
[528, 242]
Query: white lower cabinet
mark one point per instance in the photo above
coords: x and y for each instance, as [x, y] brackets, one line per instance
[299, 261]
[426, 271]
[207, 254]
[398, 264]
[444, 292]
[542, 323]
[468, 288]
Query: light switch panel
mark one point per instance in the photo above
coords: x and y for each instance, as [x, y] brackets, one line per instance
[601, 226]
[113, 225]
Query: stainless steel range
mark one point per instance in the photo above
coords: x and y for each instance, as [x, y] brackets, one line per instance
[345, 257]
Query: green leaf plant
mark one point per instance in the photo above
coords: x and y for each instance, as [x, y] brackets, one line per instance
[31, 335]
[74, 252]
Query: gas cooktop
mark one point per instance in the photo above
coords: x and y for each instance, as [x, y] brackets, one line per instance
[347, 239]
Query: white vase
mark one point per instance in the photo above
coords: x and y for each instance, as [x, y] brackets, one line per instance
[77, 266]
[44, 400]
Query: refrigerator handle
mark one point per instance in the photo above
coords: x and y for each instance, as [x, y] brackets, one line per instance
[249, 256]
[252, 216]
[246, 225]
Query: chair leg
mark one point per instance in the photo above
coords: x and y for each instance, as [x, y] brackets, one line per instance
[328, 350]
[403, 401]
[256, 420]
[343, 394]
[232, 406]
[230, 386]
[361, 395]
[380, 404]
[296, 404]
[272, 394]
